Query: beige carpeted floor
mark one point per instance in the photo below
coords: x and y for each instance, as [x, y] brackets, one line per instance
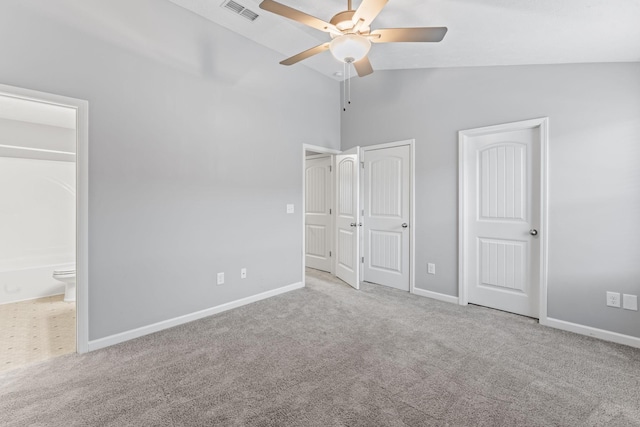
[36, 330]
[328, 355]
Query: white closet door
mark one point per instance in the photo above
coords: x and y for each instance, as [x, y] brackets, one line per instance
[347, 217]
[318, 232]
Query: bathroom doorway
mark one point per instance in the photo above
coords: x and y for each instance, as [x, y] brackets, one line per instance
[43, 310]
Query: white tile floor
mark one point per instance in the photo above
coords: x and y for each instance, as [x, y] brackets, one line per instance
[36, 330]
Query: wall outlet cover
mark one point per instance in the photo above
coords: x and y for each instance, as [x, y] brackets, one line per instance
[220, 278]
[630, 302]
[613, 299]
[431, 268]
[290, 209]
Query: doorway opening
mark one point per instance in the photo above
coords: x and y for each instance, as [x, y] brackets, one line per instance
[370, 203]
[43, 218]
[318, 208]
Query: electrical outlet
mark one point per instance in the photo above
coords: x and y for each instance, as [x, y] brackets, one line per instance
[243, 273]
[630, 302]
[290, 209]
[220, 278]
[613, 299]
[431, 268]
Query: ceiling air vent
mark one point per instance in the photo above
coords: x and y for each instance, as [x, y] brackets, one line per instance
[239, 9]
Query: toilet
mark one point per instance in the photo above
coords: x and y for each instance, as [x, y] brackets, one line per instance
[67, 275]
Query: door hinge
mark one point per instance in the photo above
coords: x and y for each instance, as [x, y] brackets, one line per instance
[330, 168]
[362, 212]
[363, 260]
[329, 211]
[329, 254]
[362, 163]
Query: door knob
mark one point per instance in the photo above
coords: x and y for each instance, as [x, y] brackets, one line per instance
[533, 232]
[404, 225]
[353, 224]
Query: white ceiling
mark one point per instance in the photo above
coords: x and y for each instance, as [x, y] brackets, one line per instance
[481, 32]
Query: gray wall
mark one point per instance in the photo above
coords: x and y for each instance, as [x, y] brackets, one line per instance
[195, 149]
[594, 163]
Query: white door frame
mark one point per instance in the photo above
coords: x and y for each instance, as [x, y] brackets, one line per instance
[463, 138]
[82, 200]
[412, 206]
[320, 150]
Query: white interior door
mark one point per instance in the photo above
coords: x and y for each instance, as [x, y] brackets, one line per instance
[318, 209]
[502, 218]
[347, 217]
[386, 214]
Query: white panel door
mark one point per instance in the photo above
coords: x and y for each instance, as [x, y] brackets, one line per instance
[347, 217]
[318, 195]
[502, 203]
[386, 214]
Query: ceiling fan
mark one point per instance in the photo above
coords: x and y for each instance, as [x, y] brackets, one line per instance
[351, 33]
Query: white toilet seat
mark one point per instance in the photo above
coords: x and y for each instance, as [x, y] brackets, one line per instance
[64, 273]
[67, 275]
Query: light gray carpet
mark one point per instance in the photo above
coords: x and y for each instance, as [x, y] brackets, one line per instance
[328, 355]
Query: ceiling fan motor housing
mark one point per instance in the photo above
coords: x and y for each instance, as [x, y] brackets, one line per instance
[344, 22]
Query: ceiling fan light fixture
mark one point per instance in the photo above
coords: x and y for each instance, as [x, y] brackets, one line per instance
[350, 47]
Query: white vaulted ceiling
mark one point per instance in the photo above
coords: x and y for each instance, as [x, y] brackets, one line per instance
[481, 32]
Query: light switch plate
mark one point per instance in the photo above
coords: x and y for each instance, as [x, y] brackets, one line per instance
[220, 278]
[630, 302]
[290, 209]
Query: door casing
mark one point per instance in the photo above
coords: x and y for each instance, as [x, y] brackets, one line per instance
[463, 146]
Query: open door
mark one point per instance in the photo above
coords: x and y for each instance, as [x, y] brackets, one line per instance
[348, 217]
[386, 215]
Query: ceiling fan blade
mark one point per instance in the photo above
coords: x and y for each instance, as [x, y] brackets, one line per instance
[306, 54]
[296, 15]
[423, 34]
[368, 10]
[363, 67]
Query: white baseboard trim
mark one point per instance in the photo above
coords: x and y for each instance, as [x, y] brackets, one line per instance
[435, 295]
[592, 332]
[166, 324]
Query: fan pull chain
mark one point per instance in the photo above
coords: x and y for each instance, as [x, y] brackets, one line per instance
[344, 86]
[349, 87]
